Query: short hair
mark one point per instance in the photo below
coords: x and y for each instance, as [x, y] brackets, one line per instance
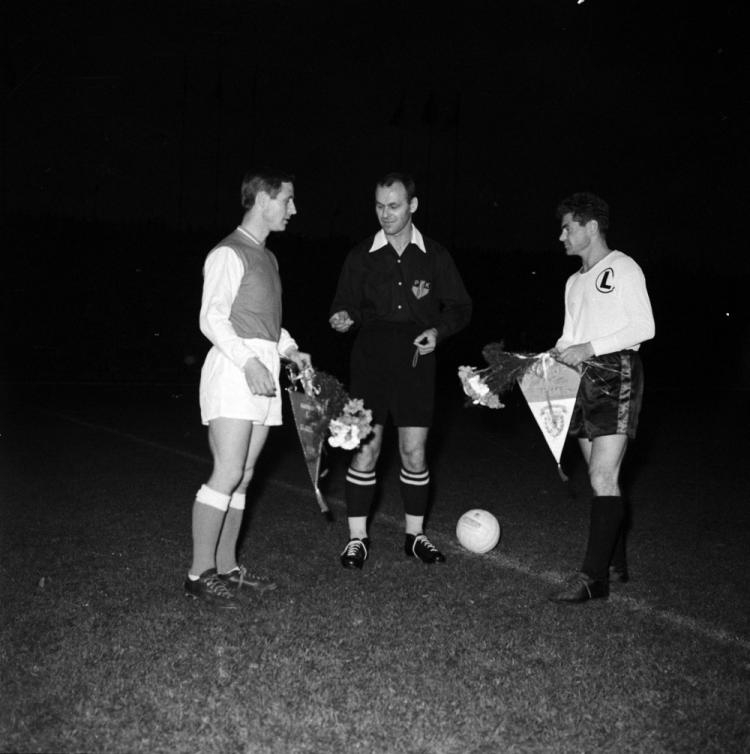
[265, 179]
[585, 206]
[403, 178]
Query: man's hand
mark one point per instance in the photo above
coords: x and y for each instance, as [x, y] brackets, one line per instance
[341, 321]
[426, 341]
[301, 359]
[574, 355]
[259, 379]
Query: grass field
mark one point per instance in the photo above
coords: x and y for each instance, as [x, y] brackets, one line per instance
[100, 652]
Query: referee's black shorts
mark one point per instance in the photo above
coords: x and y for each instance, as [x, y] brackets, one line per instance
[609, 396]
[385, 376]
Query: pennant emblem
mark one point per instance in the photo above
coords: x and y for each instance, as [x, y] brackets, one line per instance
[553, 418]
[550, 391]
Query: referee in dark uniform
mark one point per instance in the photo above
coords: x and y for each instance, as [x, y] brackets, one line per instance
[403, 293]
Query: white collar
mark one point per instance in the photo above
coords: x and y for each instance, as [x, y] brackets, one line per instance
[380, 240]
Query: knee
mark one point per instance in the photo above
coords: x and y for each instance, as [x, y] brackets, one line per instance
[247, 475]
[414, 458]
[604, 481]
[226, 477]
[365, 459]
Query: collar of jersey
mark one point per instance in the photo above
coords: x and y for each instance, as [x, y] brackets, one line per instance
[380, 240]
[250, 236]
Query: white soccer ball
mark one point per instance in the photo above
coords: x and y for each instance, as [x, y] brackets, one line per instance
[478, 530]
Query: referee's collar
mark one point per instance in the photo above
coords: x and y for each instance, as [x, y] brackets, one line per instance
[380, 240]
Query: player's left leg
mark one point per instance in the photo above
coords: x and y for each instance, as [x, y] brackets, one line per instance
[359, 494]
[604, 473]
[414, 484]
[618, 570]
[605, 455]
[233, 574]
[607, 510]
[228, 440]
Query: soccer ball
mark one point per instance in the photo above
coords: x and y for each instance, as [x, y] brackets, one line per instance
[478, 530]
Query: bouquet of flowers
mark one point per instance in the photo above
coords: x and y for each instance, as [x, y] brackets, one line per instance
[475, 386]
[323, 408]
[485, 386]
[332, 411]
[549, 387]
[352, 426]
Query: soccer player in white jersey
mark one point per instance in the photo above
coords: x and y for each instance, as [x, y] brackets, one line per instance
[240, 396]
[607, 317]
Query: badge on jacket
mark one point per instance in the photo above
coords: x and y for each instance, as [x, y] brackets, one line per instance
[420, 288]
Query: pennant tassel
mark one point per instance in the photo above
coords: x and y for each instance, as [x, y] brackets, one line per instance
[324, 509]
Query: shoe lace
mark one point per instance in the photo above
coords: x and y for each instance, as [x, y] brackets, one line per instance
[577, 579]
[422, 539]
[243, 576]
[248, 577]
[352, 548]
[215, 586]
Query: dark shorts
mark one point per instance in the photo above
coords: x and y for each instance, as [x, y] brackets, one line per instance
[383, 374]
[609, 396]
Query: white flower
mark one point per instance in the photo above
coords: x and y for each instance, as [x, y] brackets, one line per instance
[343, 435]
[478, 385]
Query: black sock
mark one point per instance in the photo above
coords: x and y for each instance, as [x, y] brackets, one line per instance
[619, 554]
[359, 490]
[605, 523]
[415, 491]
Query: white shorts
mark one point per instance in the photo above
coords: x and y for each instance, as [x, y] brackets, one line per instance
[224, 392]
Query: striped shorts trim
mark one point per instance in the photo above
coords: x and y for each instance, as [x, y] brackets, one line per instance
[609, 397]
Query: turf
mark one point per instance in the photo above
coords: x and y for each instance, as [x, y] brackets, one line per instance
[102, 653]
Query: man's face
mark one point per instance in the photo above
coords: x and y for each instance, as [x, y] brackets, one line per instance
[393, 209]
[280, 208]
[574, 236]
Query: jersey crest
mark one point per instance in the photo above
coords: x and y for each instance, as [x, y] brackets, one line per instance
[420, 288]
[605, 282]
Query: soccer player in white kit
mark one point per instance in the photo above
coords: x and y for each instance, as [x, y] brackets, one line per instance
[240, 394]
[607, 317]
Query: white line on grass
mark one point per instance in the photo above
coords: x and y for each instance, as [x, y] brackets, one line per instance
[692, 625]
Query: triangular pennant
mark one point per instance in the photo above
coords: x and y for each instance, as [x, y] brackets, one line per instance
[306, 412]
[550, 390]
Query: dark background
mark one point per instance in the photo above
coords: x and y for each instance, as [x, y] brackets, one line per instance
[127, 127]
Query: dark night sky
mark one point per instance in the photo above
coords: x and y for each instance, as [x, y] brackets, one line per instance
[133, 112]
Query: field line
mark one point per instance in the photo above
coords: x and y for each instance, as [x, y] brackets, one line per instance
[676, 620]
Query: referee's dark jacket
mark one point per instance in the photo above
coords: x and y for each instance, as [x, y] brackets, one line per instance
[422, 286]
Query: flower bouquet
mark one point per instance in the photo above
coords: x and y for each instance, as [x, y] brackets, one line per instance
[485, 386]
[549, 387]
[323, 408]
[353, 425]
[346, 419]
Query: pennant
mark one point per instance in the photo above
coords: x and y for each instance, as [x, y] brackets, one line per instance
[307, 414]
[550, 391]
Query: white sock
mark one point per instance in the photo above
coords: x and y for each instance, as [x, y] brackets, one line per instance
[357, 527]
[414, 524]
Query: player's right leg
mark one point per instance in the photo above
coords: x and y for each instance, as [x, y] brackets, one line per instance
[229, 441]
[359, 491]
